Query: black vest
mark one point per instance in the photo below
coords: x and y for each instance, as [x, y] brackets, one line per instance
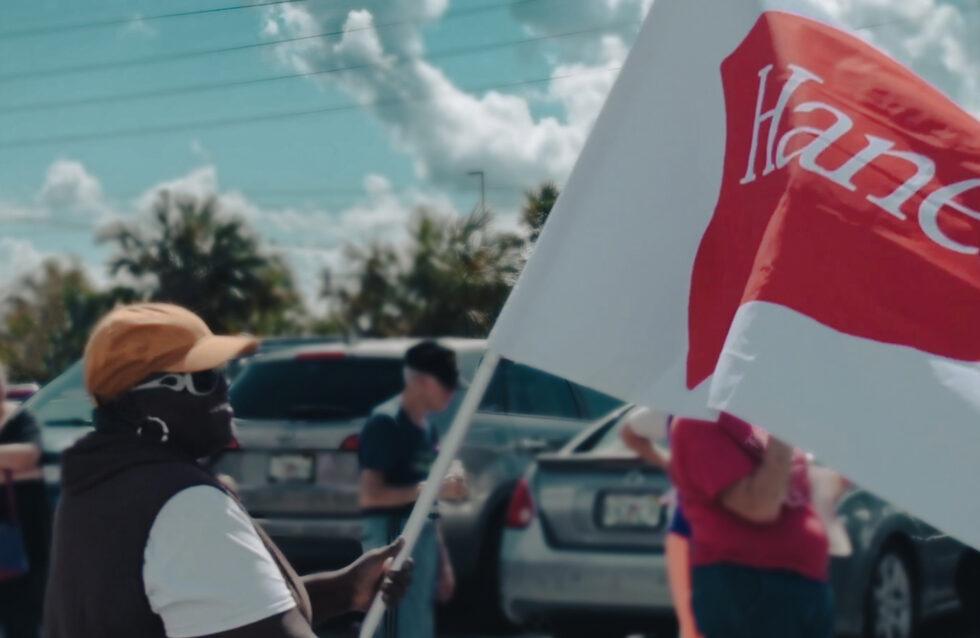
[114, 485]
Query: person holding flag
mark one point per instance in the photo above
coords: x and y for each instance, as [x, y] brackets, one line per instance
[149, 543]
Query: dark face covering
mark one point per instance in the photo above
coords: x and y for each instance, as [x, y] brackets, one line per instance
[199, 425]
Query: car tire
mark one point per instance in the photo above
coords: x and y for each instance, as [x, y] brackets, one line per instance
[489, 587]
[891, 608]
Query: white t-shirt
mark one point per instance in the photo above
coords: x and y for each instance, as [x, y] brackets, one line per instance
[206, 570]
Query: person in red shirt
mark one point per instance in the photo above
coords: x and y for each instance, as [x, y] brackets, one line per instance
[759, 548]
[640, 427]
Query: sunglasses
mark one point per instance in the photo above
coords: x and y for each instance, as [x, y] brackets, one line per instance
[199, 384]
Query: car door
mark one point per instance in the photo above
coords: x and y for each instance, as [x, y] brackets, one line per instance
[527, 411]
[940, 555]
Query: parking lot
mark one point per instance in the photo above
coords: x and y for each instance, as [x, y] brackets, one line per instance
[589, 443]
[951, 627]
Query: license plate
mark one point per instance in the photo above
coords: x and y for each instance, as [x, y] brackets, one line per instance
[292, 468]
[631, 511]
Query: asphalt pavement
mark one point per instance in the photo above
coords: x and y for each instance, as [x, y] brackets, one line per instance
[949, 627]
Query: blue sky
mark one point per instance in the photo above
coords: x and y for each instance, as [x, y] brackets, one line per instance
[311, 184]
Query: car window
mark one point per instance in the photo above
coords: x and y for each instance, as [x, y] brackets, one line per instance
[537, 393]
[495, 396]
[64, 401]
[597, 404]
[315, 389]
[610, 443]
[468, 363]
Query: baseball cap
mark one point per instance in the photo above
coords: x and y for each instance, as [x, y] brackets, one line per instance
[434, 359]
[135, 341]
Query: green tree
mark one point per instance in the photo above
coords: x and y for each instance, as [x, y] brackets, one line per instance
[537, 206]
[452, 278]
[193, 253]
[44, 326]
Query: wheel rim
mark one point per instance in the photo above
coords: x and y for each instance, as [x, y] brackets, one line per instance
[891, 599]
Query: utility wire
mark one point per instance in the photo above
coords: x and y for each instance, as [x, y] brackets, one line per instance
[202, 87]
[140, 131]
[197, 53]
[112, 22]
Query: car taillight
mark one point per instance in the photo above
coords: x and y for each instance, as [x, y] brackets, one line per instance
[351, 444]
[520, 512]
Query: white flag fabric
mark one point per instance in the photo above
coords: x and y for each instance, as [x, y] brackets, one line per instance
[773, 218]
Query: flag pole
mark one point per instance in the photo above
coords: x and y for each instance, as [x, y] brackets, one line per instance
[448, 450]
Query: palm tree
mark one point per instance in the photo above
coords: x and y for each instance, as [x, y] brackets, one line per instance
[43, 328]
[194, 254]
[452, 278]
[537, 206]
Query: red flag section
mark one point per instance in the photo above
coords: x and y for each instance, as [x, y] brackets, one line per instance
[851, 194]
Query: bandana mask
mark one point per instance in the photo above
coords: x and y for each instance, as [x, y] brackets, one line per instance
[186, 411]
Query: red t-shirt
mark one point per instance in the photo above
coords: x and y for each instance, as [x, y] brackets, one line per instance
[707, 458]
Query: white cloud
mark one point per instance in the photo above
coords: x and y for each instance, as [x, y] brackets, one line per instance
[68, 186]
[546, 18]
[69, 199]
[139, 27]
[10, 211]
[937, 38]
[18, 257]
[199, 151]
[199, 183]
[446, 130]
[311, 239]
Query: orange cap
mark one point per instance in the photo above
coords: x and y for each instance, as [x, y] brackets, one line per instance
[133, 342]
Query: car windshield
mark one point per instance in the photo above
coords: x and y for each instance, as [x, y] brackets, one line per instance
[63, 402]
[315, 389]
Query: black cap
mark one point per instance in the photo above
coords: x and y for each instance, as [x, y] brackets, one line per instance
[431, 358]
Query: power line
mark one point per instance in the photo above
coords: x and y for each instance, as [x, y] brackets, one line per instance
[113, 22]
[38, 219]
[899, 21]
[211, 86]
[196, 53]
[26, 142]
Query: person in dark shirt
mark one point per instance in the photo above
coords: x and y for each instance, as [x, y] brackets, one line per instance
[20, 454]
[396, 453]
[968, 586]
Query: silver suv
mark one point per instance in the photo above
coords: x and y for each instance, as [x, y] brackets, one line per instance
[299, 414]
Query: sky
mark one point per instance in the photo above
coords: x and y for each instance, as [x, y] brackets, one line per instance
[328, 122]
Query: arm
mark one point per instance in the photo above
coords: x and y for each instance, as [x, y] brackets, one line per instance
[644, 448]
[19, 457]
[333, 594]
[353, 588]
[455, 487]
[759, 497]
[23, 452]
[376, 493]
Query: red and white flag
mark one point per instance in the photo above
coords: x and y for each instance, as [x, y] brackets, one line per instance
[776, 219]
